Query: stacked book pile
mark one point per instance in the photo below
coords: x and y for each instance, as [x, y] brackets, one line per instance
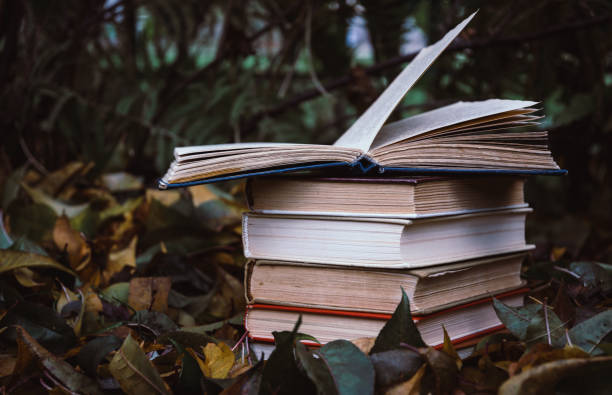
[339, 251]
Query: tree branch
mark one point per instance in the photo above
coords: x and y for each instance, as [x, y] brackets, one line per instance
[340, 82]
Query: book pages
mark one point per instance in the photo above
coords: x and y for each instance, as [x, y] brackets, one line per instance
[443, 117]
[362, 133]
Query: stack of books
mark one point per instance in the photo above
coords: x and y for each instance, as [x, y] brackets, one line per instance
[432, 204]
[339, 251]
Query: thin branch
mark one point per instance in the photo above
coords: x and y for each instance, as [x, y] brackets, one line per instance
[307, 36]
[379, 67]
[546, 322]
[31, 157]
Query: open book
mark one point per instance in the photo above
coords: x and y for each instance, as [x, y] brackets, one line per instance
[476, 137]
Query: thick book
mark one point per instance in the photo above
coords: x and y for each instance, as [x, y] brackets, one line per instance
[379, 291]
[491, 136]
[390, 197]
[462, 322]
[383, 242]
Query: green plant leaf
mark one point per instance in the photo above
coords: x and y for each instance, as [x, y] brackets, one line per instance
[351, 369]
[134, 372]
[316, 370]
[593, 274]
[94, 352]
[57, 206]
[516, 319]
[395, 366]
[11, 260]
[588, 334]
[537, 331]
[399, 329]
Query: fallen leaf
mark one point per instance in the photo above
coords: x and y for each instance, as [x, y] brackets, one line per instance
[134, 372]
[79, 251]
[410, 387]
[149, 293]
[544, 378]
[121, 181]
[449, 349]
[26, 277]
[219, 360]
[7, 364]
[119, 259]
[395, 366]
[94, 352]
[588, 334]
[59, 369]
[60, 208]
[365, 344]
[351, 369]
[11, 260]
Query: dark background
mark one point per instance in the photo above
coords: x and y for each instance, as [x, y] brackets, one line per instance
[120, 83]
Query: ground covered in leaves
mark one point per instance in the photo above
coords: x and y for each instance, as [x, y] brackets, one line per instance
[108, 286]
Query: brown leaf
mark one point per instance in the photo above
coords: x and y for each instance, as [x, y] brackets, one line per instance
[409, 387]
[7, 364]
[365, 344]
[449, 349]
[544, 378]
[149, 293]
[30, 351]
[119, 259]
[79, 252]
[134, 372]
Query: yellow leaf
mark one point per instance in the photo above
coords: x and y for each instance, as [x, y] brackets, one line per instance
[219, 360]
[201, 194]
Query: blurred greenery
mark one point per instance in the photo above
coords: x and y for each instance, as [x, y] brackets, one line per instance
[119, 83]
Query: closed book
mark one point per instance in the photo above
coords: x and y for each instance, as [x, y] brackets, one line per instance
[374, 290]
[394, 197]
[462, 322]
[383, 242]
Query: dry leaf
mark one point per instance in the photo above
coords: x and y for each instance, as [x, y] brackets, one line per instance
[79, 252]
[149, 293]
[119, 259]
[410, 387]
[26, 277]
[365, 344]
[219, 360]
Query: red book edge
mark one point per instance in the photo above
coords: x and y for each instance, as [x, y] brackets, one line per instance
[382, 316]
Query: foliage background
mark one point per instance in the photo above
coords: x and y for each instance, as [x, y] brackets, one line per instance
[95, 94]
[120, 83]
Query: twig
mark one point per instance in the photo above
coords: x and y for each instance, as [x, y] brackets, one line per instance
[564, 270]
[567, 336]
[240, 340]
[546, 323]
[31, 157]
[311, 69]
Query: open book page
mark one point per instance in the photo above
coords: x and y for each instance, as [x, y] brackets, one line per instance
[198, 149]
[443, 117]
[361, 134]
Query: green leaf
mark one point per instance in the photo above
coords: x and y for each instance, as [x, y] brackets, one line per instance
[593, 274]
[588, 334]
[516, 319]
[538, 332]
[58, 368]
[34, 221]
[399, 329]
[351, 369]
[316, 370]
[134, 372]
[117, 292]
[11, 260]
[94, 352]
[57, 206]
[11, 187]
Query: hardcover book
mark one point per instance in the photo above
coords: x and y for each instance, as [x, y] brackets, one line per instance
[474, 137]
[383, 242]
[390, 197]
[379, 291]
[462, 322]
